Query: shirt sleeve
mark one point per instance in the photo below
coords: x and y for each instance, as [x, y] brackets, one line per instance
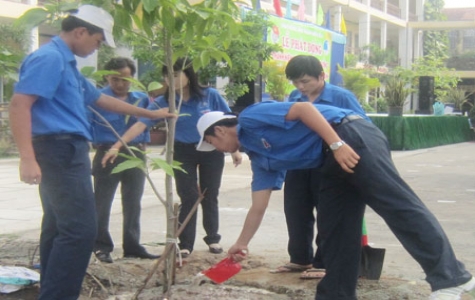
[267, 113]
[91, 93]
[156, 104]
[217, 102]
[41, 74]
[264, 180]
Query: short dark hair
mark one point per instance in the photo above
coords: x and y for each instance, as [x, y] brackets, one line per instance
[185, 65]
[229, 122]
[118, 63]
[70, 23]
[302, 65]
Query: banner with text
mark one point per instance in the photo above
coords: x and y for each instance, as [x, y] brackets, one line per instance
[298, 38]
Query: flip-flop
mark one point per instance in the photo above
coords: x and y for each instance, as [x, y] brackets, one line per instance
[313, 274]
[290, 268]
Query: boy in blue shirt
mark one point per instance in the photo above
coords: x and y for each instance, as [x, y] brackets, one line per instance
[301, 186]
[357, 170]
[132, 180]
[51, 130]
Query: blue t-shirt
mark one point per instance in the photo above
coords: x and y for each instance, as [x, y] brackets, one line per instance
[63, 93]
[101, 134]
[275, 145]
[194, 108]
[335, 96]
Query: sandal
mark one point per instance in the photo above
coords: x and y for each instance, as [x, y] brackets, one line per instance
[313, 274]
[291, 268]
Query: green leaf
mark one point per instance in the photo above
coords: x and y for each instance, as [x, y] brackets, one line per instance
[13, 76]
[204, 58]
[32, 18]
[227, 59]
[154, 85]
[65, 6]
[189, 34]
[167, 17]
[149, 5]
[87, 71]
[148, 20]
[134, 162]
[122, 17]
[158, 163]
[182, 7]
[136, 84]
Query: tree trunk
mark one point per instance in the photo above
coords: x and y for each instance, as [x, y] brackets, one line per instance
[171, 214]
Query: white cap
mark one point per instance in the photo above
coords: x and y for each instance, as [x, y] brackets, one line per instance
[204, 123]
[98, 17]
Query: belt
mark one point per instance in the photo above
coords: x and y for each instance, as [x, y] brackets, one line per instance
[57, 137]
[106, 147]
[347, 119]
[180, 144]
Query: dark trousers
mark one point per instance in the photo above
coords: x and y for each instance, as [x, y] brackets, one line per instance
[376, 183]
[300, 203]
[131, 188]
[204, 171]
[68, 227]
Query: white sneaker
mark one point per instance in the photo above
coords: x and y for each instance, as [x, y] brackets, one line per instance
[453, 293]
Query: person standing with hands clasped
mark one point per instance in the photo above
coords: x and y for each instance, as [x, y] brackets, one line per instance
[132, 180]
[356, 170]
[49, 124]
[203, 169]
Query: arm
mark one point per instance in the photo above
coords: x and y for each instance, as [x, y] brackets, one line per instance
[260, 200]
[121, 107]
[310, 116]
[20, 123]
[128, 136]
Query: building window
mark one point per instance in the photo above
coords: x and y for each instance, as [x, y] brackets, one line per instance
[469, 39]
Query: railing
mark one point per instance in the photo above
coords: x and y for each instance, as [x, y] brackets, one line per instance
[377, 4]
[394, 10]
[19, 1]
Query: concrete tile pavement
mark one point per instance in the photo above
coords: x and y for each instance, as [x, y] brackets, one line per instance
[443, 177]
[20, 205]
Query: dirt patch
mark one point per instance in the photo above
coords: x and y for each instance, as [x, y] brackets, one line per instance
[121, 280]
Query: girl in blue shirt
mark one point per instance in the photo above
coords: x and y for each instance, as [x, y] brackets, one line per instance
[203, 169]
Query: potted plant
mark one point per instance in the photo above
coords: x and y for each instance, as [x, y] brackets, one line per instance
[277, 84]
[396, 93]
[459, 97]
[358, 82]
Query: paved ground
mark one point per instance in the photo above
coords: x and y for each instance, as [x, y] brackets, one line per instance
[444, 177]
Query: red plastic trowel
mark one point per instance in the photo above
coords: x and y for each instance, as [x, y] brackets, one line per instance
[223, 270]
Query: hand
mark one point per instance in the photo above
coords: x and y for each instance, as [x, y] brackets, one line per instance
[111, 154]
[237, 158]
[238, 252]
[163, 113]
[346, 157]
[30, 171]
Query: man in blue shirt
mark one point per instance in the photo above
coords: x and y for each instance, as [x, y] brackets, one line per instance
[356, 170]
[51, 130]
[301, 186]
[132, 180]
